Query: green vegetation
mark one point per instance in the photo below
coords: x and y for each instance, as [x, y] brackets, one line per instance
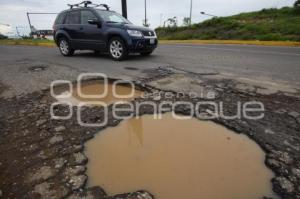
[3, 36]
[30, 42]
[297, 4]
[265, 25]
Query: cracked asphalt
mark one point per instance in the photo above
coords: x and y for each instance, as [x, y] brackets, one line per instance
[51, 163]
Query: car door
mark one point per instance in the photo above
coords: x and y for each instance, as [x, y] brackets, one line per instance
[72, 27]
[91, 34]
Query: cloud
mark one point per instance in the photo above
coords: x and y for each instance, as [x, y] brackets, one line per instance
[6, 30]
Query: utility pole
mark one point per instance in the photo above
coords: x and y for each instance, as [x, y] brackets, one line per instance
[29, 22]
[191, 12]
[146, 23]
[124, 8]
[18, 33]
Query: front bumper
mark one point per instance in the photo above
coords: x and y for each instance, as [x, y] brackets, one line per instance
[140, 45]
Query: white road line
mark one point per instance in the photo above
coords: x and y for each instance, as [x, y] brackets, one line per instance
[238, 50]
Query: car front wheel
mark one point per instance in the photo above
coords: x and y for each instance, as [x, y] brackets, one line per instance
[64, 47]
[117, 49]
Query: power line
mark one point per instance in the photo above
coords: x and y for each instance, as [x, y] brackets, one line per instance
[37, 13]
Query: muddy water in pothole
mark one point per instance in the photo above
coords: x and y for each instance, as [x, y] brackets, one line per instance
[121, 93]
[177, 159]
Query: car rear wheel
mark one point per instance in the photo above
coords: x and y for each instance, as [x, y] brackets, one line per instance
[65, 48]
[117, 49]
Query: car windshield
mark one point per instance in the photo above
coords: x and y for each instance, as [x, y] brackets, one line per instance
[112, 17]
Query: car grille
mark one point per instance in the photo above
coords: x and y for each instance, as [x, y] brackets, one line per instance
[148, 33]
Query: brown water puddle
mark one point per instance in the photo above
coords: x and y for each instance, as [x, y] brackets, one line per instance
[124, 93]
[176, 159]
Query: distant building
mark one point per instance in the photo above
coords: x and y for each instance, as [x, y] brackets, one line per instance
[42, 34]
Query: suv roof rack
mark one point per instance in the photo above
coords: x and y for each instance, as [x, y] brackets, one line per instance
[85, 4]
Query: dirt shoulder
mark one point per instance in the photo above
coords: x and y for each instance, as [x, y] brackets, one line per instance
[49, 43]
[240, 42]
[28, 42]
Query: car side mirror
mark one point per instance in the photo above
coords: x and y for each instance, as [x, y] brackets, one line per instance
[95, 22]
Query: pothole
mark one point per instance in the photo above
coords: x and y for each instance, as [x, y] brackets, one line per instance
[131, 68]
[178, 159]
[97, 91]
[37, 68]
[2, 87]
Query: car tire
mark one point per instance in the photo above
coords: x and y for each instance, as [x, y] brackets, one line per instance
[65, 48]
[117, 49]
[146, 53]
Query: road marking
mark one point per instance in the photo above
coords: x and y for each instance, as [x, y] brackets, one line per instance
[239, 50]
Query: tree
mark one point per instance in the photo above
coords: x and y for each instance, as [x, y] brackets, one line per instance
[172, 22]
[297, 4]
[186, 21]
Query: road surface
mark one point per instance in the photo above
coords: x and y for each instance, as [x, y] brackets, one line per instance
[273, 64]
[43, 165]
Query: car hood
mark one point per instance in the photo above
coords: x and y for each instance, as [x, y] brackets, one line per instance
[129, 26]
[134, 27]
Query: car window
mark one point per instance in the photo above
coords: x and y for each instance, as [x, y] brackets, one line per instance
[87, 15]
[115, 18]
[73, 18]
[60, 18]
[112, 17]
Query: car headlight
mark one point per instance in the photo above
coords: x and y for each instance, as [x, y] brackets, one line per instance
[135, 33]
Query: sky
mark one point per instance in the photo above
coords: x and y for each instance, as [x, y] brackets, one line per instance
[13, 12]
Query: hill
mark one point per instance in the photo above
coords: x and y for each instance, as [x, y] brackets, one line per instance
[265, 25]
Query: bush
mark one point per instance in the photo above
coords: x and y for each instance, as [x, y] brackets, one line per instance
[271, 37]
[3, 36]
[267, 24]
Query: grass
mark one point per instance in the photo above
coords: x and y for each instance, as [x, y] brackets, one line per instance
[265, 25]
[28, 42]
[241, 42]
[50, 43]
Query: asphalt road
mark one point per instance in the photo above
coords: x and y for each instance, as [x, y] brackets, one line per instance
[26, 122]
[278, 64]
